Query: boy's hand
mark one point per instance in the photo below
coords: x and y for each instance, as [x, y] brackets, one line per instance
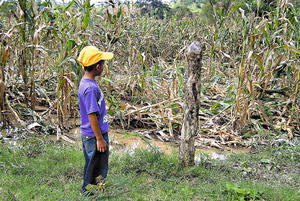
[101, 145]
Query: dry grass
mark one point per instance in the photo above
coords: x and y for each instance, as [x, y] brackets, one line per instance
[250, 67]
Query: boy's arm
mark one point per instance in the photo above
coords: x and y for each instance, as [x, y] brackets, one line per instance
[101, 143]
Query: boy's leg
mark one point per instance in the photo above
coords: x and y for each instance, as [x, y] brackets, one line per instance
[101, 167]
[89, 151]
[96, 163]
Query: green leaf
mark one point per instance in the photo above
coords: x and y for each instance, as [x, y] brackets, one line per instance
[54, 32]
[292, 48]
[109, 16]
[265, 161]
[86, 18]
[68, 6]
[120, 12]
[260, 64]
[60, 84]
[41, 91]
[258, 86]
[70, 45]
[220, 13]
[214, 108]
[70, 58]
[258, 4]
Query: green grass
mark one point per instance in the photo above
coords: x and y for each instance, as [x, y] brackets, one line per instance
[53, 171]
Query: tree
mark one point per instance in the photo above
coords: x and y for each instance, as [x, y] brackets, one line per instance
[209, 8]
[153, 8]
[260, 7]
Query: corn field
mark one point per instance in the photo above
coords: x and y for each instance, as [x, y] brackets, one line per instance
[250, 83]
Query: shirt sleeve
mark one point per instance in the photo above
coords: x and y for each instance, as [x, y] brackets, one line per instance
[90, 100]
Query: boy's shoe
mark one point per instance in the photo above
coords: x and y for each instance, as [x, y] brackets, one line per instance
[86, 193]
[101, 186]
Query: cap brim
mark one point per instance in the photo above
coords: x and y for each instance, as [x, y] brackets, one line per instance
[107, 55]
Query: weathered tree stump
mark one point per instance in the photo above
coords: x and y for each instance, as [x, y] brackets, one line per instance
[191, 104]
[2, 95]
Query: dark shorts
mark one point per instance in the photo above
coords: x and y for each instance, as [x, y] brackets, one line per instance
[96, 163]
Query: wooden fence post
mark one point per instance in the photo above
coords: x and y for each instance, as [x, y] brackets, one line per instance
[191, 104]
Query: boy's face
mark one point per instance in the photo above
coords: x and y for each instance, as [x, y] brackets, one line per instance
[99, 69]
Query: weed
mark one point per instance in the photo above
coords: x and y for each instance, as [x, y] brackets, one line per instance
[233, 192]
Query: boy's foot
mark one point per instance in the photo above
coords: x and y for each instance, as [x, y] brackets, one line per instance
[101, 186]
[86, 193]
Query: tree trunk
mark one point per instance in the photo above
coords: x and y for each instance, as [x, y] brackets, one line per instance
[191, 105]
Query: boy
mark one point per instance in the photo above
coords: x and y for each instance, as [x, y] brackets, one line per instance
[94, 126]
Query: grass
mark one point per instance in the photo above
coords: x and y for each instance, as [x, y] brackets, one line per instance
[47, 171]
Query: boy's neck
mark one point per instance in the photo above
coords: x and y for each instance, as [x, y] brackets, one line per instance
[89, 75]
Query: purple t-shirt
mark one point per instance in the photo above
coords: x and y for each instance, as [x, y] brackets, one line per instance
[91, 100]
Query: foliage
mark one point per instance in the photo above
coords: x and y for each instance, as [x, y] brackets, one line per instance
[153, 163]
[237, 193]
[6, 8]
[181, 12]
[154, 8]
[210, 8]
[186, 6]
[260, 7]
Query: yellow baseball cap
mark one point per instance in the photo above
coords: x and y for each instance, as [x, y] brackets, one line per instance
[90, 55]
